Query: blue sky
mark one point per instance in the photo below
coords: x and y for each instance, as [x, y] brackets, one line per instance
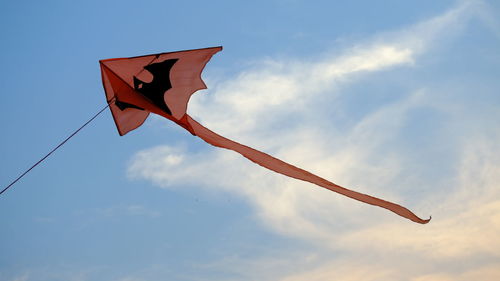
[396, 99]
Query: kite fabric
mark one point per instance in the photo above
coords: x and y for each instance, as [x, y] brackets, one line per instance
[163, 84]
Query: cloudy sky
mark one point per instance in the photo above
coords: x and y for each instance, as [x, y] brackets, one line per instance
[395, 99]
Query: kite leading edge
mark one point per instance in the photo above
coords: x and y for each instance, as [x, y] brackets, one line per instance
[163, 83]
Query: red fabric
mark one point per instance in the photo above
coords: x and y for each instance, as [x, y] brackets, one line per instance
[185, 78]
[128, 119]
[286, 169]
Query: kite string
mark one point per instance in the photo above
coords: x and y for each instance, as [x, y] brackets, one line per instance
[67, 139]
[56, 148]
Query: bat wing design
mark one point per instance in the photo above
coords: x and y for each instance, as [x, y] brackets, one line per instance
[158, 83]
[156, 89]
[163, 83]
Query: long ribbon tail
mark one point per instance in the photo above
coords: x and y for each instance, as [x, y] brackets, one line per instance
[274, 164]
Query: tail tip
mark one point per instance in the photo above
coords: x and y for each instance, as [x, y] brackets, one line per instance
[427, 220]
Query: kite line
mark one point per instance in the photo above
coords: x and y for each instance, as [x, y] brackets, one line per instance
[56, 148]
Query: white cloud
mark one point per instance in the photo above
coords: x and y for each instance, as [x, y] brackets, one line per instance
[272, 107]
[280, 88]
[130, 210]
[23, 277]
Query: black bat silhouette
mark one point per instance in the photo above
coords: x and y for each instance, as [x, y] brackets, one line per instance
[154, 90]
[124, 105]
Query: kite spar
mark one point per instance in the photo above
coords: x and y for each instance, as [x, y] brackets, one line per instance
[163, 84]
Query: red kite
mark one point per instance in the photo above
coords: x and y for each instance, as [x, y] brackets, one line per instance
[163, 83]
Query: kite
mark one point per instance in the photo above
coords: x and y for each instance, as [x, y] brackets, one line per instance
[163, 84]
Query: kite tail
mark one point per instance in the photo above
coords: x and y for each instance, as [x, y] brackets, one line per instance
[286, 169]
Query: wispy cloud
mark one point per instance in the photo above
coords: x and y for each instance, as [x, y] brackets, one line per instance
[23, 277]
[127, 210]
[279, 106]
